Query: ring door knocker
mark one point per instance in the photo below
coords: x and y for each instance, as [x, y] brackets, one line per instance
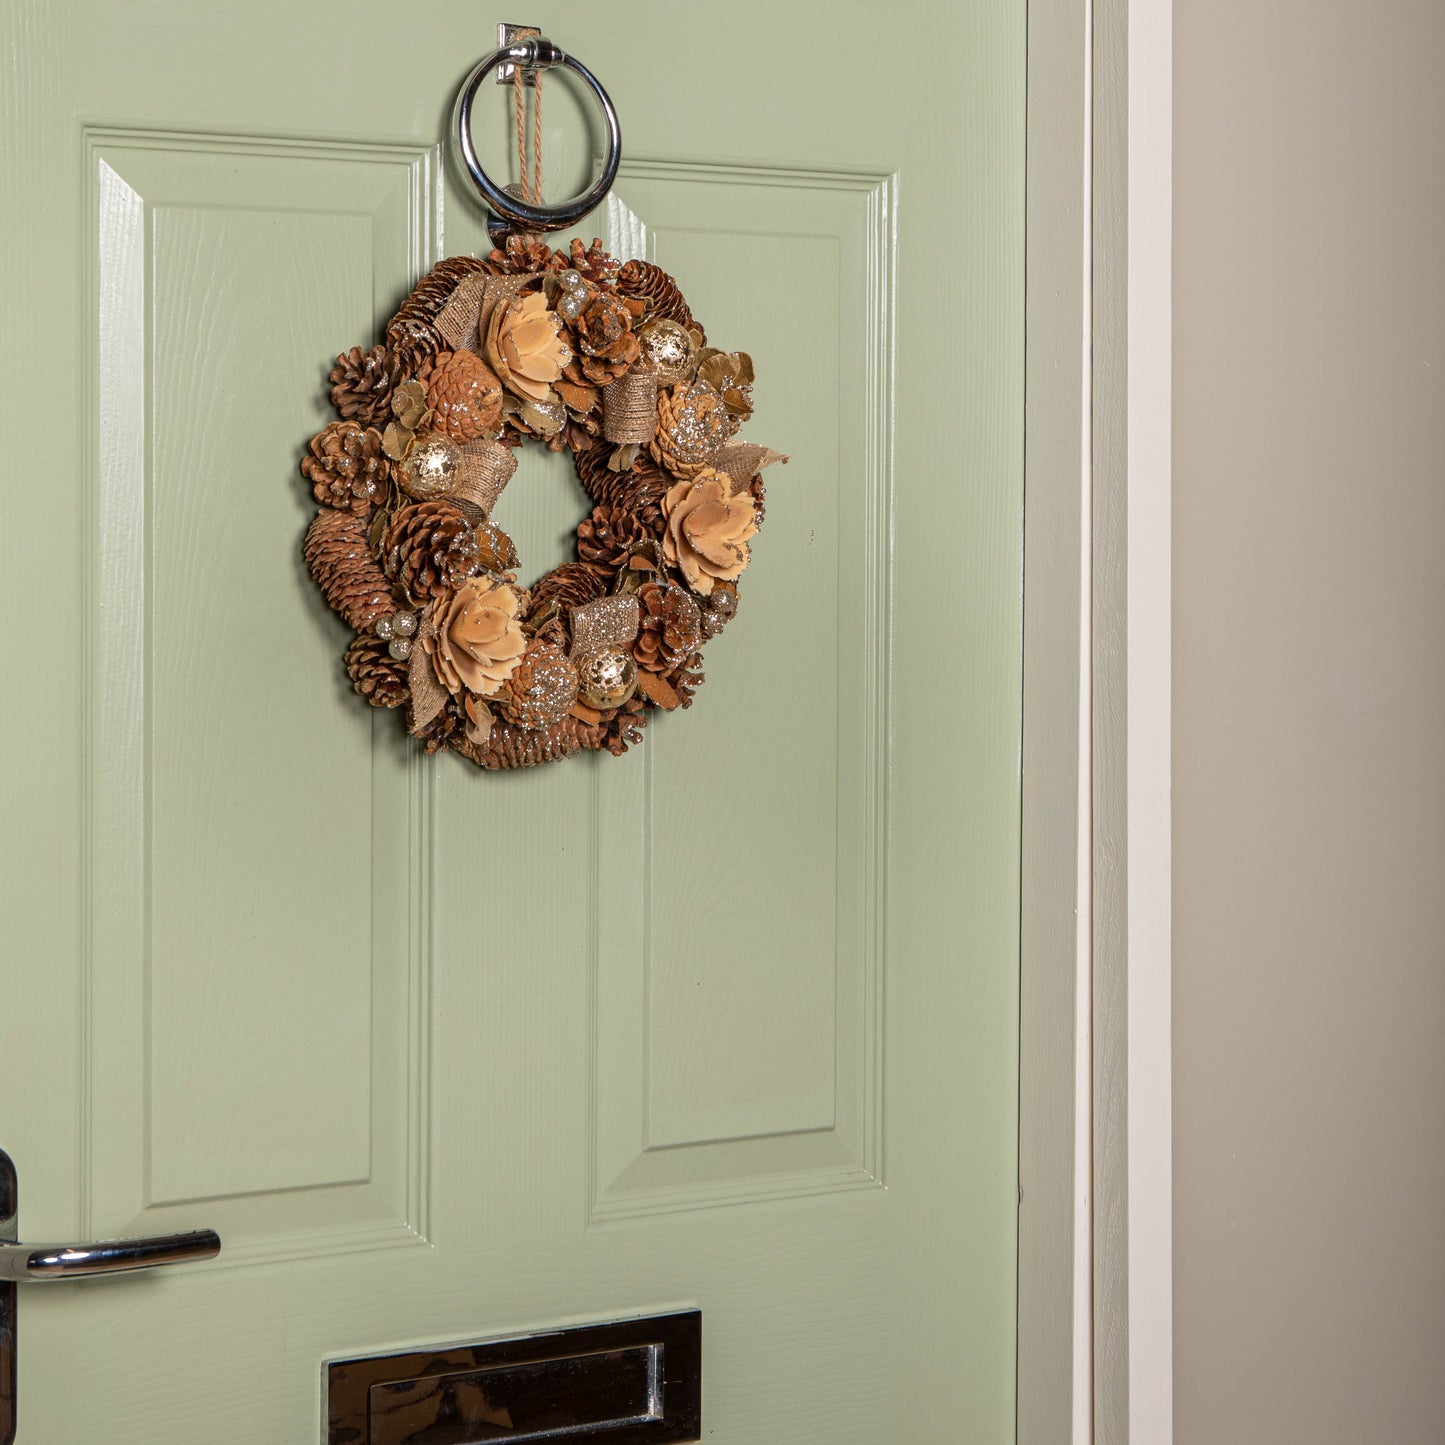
[533, 53]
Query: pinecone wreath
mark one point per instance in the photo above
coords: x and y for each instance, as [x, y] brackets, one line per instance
[579, 352]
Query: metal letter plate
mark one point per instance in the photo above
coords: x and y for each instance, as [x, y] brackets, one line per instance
[638, 1382]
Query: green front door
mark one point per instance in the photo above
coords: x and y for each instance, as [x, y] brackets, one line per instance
[729, 1023]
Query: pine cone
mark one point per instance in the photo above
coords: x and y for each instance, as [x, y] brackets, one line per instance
[570, 585]
[346, 466]
[523, 256]
[594, 264]
[641, 489]
[608, 537]
[693, 426]
[605, 343]
[624, 727]
[375, 673]
[671, 627]
[757, 489]
[410, 332]
[361, 384]
[541, 689]
[653, 284]
[447, 729]
[514, 747]
[687, 677]
[340, 560]
[429, 548]
[464, 394]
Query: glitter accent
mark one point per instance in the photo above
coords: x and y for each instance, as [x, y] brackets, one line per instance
[609, 622]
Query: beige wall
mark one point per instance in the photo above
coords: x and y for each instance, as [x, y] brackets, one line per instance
[1309, 695]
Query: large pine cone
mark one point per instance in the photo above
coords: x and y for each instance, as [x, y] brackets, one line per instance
[346, 467]
[541, 689]
[463, 393]
[651, 283]
[362, 383]
[410, 332]
[671, 627]
[571, 585]
[375, 673]
[693, 426]
[640, 490]
[608, 537]
[429, 549]
[514, 747]
[340, 560]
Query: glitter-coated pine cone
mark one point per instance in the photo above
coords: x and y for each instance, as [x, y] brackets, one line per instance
[522, 256]
[609, 536]
[464, 394]
[362, 382]
[571, 585]
[640, 489]
[340, 560]
[512, 747]
[346, 467]
[652, 284]
[592, 263]
[624, 728]
[671, 627]
[541, 690]
[605, 342]
[379, 677]
[693, 426]
[429, 549]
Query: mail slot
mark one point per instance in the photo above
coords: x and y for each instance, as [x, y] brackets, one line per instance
[636, 1382]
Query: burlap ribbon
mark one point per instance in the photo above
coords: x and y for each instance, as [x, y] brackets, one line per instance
[464, 319]
[428, 696]
[610, 622]
[742, 461]
[487, 466]
[629, 407]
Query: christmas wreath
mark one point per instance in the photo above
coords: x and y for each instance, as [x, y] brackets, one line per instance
[578, 352]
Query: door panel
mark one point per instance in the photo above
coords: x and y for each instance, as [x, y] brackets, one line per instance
[729, 1023]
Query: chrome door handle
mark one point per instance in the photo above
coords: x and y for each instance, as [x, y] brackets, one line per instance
[37, 1263]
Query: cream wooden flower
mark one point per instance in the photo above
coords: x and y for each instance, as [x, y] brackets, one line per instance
[475, 640]
[525, 346]
[708, 530]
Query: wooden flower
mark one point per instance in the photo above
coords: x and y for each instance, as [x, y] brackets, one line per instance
[525, 347]
[476, 640]
[707, 530]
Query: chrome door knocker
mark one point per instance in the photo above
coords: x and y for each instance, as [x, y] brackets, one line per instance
[520, 59]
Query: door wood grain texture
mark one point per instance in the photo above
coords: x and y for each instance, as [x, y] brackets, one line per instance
[728, 1024]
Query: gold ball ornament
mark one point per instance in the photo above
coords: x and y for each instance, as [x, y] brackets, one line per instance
[608, 678]
[430, 468]
[668, 350]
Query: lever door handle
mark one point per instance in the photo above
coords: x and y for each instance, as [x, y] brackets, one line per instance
[38, 1263]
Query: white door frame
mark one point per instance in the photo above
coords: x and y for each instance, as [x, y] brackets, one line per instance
[1095, 1131]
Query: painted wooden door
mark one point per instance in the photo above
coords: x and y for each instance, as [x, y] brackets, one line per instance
[728, 1023]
